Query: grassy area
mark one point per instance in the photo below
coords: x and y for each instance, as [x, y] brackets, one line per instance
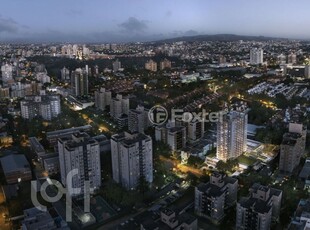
[246, 160]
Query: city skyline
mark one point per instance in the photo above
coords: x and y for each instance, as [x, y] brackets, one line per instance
[118, 21]
[160, 114]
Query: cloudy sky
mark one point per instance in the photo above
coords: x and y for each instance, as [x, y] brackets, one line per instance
[144, 20]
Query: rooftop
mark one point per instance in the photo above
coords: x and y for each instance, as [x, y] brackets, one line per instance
[305, 172]
[14, 162]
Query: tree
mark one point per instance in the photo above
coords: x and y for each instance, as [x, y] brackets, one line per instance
[221, 166]
[143, 185]
[229, 165]
[195, 161]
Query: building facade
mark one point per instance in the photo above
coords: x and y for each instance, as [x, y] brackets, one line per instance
[81, 152]
[256, 56]
[45, 106]
[151, 66]
[116, 65]
[119, 105]
[195, 131]
[132, 159]
[138, 119]
[212, 198]
[259, 209]
[102, 98]
[292, 147]
[165, 64]
[231, 135]
[79, 82]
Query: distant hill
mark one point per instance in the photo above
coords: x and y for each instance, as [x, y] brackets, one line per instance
[219, 37]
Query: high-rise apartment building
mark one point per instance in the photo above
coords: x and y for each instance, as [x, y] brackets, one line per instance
[173, 134]
[232, 134]
[7, 74]
[151, 66]
[256, 56]
[281, 59]
[119, 105]
[81, 152]
[79, 81]
[132, 159]
[291, 58]
[65, 74]
[214, 197]
[45, 106]
[165, 64]
[176, 137]
[195, 131]
[116, 65]
[102, 98]
[258, 210]
[138, 119]
[292, 147]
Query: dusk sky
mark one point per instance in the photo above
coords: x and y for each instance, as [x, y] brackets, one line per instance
[144, 20]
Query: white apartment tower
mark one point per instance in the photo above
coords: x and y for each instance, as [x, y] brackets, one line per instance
[256, 56]
[102, 98]
[195, 131]
[116, 65]
[46, 106]
[83, 153]
[119, 105]
[232, 135]
[7, 73]
[65, 74]
[132, 158]
[138, 119]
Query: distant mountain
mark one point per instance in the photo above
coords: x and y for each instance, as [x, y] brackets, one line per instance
[219, 37]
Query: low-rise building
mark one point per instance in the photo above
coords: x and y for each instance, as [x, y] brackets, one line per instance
[51, 163]
[169, 219]
[34, 219]
[16, 168]
[301, 219]
[37, 147]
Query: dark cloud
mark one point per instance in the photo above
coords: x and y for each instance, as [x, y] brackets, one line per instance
[8, 25]
[134, 25]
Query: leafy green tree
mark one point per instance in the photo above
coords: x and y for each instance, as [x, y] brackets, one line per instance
[195, 161]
